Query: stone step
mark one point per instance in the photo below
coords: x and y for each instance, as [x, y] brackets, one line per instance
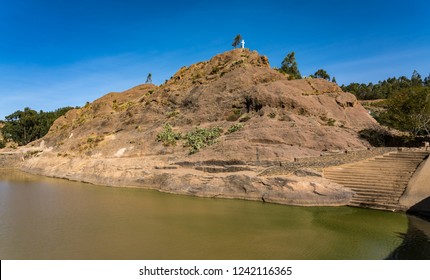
[380, 173]
[375, 199]
[405, 159]
[376, 202]
[360, 190]
[376, 191]
[407, 154]
[361, 172]
[369, 183]
[403, 155]
[369, 175]
[393, 171]
[387, 163]
[377, 206]
[378, 183]
[372, 165]
[396, 161]
[360, 175]
[375, 187]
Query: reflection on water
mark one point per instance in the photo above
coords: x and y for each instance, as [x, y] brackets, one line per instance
[416, 241]
[42, 218]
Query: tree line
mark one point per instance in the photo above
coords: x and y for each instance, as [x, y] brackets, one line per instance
[387, 88]
[405, 104]
[23, 127]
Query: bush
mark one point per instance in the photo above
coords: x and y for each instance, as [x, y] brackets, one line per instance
[201, 137]
[234, 115]
[2, 144]
[235, 127]
[168, 136]
[331, 122]
[378, 137]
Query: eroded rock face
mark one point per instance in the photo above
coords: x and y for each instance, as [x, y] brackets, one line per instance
[132, 172]
[280, 120]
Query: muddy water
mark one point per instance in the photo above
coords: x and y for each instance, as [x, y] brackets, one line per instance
[43, 218]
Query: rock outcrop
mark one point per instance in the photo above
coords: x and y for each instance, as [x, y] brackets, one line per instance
[112, 140]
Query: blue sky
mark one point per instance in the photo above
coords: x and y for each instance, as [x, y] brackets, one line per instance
[56, 53]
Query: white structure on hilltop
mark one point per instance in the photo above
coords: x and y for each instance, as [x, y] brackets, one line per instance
[243, 44]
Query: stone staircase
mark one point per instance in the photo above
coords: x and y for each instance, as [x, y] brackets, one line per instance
[378, 182]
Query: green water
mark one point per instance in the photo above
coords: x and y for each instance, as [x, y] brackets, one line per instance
[43, 218]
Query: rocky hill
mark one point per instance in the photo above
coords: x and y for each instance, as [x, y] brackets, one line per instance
[253, 115]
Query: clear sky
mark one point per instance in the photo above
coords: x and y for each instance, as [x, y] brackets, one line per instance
[56, 53]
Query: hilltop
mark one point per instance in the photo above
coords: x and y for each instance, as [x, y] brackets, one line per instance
[260, 116]
[284, 118]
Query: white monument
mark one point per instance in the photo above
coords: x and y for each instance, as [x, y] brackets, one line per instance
[243, 44]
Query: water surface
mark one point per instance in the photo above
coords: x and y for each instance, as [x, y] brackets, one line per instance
[44, 218]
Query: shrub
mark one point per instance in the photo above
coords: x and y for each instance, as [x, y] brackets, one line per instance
[168, 136]
[234, 115]
[2, 144]
[235, 127]
[331, 122]
[172, 114]
[245, 118]
[201, 137]
[95, 139]
[378, 137]
[215, 70]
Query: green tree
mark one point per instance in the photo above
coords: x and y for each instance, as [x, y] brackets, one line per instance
[149, 79]
[321, 73]
[289, 66]
[387, 88]
[416, 79]
[236, 41]
[409, 110]
[427, 81]
[22, 127]
[333, 80]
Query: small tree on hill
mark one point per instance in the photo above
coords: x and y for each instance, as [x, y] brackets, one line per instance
[321, 73]
[236, 41]
[149, 79]
[416, 79]
[427, 81]
[289, 66]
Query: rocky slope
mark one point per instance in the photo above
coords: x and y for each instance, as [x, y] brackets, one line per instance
[113, 140]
